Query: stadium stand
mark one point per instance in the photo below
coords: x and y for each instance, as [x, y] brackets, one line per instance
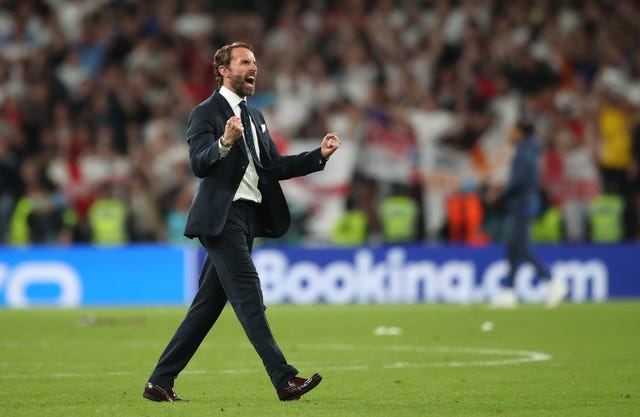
[94, 95]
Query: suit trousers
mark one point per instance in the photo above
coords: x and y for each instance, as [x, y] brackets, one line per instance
[229, 274]
[519, 248]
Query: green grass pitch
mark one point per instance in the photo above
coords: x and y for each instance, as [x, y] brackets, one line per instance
[418, 360]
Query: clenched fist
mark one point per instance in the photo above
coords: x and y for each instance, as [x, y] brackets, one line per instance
[233, 129]
[330, 143]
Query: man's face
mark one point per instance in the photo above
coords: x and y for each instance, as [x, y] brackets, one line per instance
[240, 75]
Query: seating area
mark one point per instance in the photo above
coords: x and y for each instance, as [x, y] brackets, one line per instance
[94, 98]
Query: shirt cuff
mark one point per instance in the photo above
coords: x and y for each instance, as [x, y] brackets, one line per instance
[222, 150]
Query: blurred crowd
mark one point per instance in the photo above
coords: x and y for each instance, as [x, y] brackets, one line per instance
[95, 95]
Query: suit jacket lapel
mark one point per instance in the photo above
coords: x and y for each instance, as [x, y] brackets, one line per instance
[223, 104]
[227, 113]
[263, 139]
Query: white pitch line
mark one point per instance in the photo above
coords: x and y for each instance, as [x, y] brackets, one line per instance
[515, 357]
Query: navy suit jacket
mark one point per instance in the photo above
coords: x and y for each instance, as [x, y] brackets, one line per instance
[522, 191]
[220, 177]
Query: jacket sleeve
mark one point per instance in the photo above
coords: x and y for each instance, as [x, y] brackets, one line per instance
[204, 150]
[290, 166]
[284, 167]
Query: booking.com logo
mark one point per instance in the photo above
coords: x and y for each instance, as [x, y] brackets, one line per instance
[397, 279]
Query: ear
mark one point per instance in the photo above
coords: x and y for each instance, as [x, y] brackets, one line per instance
[224, 71]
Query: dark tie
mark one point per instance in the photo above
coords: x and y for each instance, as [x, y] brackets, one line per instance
[248, 134]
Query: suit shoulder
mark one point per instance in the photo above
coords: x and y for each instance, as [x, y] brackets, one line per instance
[210, 101]
[206, 107]
[198, 113]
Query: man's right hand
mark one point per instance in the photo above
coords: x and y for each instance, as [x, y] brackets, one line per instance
[233, 129]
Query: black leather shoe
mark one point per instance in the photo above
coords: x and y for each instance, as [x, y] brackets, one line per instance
[155, 393]
[298, 387]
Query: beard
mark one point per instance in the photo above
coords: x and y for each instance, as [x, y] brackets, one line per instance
[241, 88]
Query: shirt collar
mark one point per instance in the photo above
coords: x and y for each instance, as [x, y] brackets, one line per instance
[231, 97]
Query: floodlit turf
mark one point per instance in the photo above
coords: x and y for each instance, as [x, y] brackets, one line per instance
[577, 360]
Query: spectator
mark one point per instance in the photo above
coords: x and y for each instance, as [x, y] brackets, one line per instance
[614, 125]
[41, 215]
[145, 220]
[11, 185]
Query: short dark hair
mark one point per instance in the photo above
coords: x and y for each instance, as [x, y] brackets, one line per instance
[223, 57]
[526, 126]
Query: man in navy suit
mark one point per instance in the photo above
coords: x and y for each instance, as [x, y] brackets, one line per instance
[521, 197]
[238, 198]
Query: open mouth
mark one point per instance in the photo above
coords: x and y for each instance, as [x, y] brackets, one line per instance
[250, 80]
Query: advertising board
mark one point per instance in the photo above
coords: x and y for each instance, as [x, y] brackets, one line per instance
[139, 275]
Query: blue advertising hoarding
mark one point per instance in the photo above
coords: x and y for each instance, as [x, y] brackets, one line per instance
[167, 275]
[87, 276]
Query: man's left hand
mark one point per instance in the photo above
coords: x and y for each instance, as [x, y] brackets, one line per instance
[330, 143]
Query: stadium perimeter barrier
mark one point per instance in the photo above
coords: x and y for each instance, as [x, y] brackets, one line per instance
[159, 274]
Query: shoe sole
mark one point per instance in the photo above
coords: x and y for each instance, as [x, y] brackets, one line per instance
[157, 399]
[314, 383]
[152, 397]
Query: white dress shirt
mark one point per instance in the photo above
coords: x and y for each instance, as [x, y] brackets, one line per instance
[248, 188]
